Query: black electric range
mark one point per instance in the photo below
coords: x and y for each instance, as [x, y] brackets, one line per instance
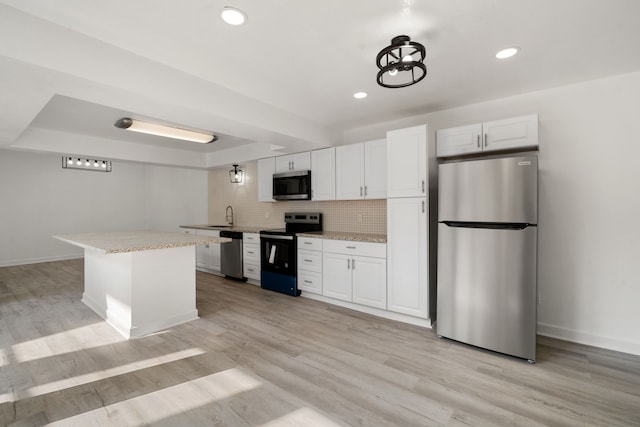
[278, 251]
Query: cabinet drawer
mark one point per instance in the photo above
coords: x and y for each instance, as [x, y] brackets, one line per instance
[310, 243]
[251, 238]
[310, 260]
[252, 271]
[378, 250]
[251, 253]
[310, 281]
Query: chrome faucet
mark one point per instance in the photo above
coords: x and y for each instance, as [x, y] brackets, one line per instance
[228, 217]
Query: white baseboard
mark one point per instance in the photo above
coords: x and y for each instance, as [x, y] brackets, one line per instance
[10, 263]
[581, 337]
[425, 323]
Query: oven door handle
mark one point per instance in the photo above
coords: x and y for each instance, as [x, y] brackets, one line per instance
[274, 237]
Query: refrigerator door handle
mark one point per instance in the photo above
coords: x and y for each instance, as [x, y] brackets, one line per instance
[490, 225]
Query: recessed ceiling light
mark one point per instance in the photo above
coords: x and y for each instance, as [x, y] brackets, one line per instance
[507, 53]
[360, 95]
[233, 16]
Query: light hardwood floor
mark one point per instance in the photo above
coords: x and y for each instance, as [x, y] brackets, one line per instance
[259, 358]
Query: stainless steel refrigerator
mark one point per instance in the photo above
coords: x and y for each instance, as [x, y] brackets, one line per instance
[487, 253]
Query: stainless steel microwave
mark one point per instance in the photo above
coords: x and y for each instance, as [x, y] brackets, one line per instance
[294, 185]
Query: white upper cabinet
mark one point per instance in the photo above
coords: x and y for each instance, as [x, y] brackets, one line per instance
[506, 134]
[516, 132]
[293, 162]
[323, 174]
[459, 140]
[350, 172]
[407, 162]
[375, 169]
[361, 170]
[266, 169]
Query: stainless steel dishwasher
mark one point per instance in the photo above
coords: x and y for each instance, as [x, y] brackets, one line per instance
[231, 255]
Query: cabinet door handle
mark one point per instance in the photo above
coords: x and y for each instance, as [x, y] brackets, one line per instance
[351, 247]
[485, 139]
[365, 190]
[361, 190]
[348, 263]
[423, 185]
[251, 269]
[307, 281]
[478, 140]
[423, 206]
[308, 260]
[307, 243]
[250, 252]
[353, 264]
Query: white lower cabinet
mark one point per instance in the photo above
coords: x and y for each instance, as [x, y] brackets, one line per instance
[208, 256]
[369, 286]
[355, 272]
[310, 265]
[251, 256]
[407, 242]
[336, 276]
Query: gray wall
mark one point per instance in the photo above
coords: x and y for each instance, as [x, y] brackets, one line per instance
[40, 199]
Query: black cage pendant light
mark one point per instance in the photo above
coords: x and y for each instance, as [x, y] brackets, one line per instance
[401, 63]
[236, 175]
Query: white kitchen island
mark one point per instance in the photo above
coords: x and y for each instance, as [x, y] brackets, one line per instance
[142, 281]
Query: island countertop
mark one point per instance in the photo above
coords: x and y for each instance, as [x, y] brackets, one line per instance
[133, 241]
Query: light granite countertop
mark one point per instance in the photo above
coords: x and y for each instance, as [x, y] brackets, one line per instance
[342, 235]
[133, 241]
[333, 235]
[241, 228]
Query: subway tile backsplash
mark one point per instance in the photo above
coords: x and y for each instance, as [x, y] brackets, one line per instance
[359, 216]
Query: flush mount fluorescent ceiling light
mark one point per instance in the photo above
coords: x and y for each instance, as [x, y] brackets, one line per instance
[360, 95]
[508, 52]
[233, 16]
[401, 63]
[70, 162]
[166, 131]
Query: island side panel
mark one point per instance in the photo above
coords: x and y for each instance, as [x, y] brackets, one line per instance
[108, 287]
[164, 289]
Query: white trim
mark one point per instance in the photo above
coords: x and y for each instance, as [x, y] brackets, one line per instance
[425, 323]
[25, 261]
[582, 337]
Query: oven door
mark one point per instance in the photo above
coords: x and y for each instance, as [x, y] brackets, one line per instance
[278, 264]
[278, 254]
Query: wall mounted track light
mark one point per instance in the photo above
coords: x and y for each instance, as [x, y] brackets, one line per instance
[81, 163]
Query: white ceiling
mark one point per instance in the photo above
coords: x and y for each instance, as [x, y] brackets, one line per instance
[284, 81]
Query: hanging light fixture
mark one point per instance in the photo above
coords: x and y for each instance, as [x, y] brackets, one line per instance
[166, 131]
[236, 175]
[401, 63]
